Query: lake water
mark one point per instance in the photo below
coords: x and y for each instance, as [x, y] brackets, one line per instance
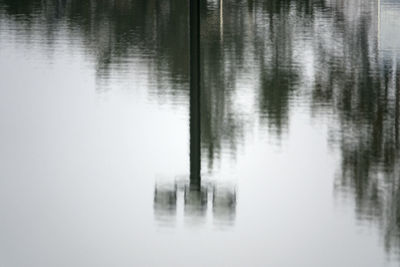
[299, 125]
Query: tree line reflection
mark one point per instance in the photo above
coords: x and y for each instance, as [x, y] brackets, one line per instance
[325, 53]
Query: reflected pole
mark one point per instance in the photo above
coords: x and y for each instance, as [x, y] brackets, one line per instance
[397, 107]
[195, 152]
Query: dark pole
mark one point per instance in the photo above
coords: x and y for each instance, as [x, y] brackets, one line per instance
[195, 153]
[397, 108]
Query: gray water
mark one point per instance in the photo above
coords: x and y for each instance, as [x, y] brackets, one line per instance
[299, 121]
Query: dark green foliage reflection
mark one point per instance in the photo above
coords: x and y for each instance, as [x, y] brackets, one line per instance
[328, 56]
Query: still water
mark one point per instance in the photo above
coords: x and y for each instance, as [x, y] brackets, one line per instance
[299, 119]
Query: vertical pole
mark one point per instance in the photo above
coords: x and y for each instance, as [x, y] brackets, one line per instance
[397, 104]
[195, 152]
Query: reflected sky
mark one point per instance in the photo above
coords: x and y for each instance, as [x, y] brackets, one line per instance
[299, 118]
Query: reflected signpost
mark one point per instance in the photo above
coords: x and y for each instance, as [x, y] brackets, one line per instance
[195, 197]
[195, 194]
[195, 151]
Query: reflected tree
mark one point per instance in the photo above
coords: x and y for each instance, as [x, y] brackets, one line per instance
[361, 87]
[112, 31]
[344, 77]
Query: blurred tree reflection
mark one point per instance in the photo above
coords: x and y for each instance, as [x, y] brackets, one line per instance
[111, 31]
[344, 76]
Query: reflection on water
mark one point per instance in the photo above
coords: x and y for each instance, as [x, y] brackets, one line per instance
[263, 65]
[116, 35]
[195, 200]
[165, 198]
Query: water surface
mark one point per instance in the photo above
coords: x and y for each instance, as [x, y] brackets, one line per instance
[299, 118]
